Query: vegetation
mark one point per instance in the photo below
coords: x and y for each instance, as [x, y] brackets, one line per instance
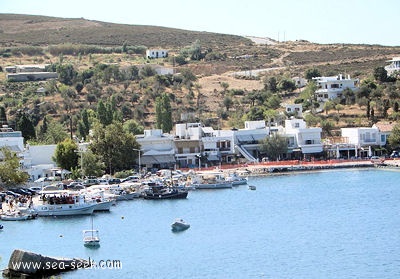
[9, 168]
[106, 85]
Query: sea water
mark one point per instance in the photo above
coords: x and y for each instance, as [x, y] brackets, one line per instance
[328, 224]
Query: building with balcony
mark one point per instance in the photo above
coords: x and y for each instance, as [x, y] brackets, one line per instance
[157, 149]
[332, 87]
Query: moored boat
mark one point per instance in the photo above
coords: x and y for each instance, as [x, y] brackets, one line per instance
[236, 180]
[210, 180]
[161, 192]
[17, 216]
[179, 225]
[63, 203]
[91, 237]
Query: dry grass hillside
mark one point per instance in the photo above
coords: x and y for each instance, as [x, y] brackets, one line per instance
[239, 54]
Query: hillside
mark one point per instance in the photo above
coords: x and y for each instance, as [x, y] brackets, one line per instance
[42, 30]
[233, 54]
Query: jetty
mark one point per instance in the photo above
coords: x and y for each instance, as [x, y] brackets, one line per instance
[25, 264]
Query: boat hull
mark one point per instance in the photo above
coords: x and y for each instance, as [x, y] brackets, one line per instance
[15, 217]
[175, 195]
[103, 206]
[65, 209]
[221, 185]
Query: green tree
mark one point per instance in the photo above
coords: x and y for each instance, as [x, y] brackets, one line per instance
[66, 73]
[394, 137]
[310, 73]
[147, 71]
[103, 113]
[328, 105]
[271, 84]
[286, 85]
[274, 146]
[92, 164]
[228, 102]
[42, 129]
[84, 124]
[164, 113]
[25, 125]
[3, 116]
[55, 133]
[380, 74]
[66, 155]
[114, 146]
[10, 174]
[133, 127]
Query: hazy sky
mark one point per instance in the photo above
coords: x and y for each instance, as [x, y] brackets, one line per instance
[319, 21]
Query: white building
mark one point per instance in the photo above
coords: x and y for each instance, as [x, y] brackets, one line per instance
[362, 136]
[188, 144]
[299, 82]
[156, 53]
[333, 87]
[294, 109]
[37, 160]
[393, 67]
[247, 140]
[11, 139]
[157, 149]
[301, 138]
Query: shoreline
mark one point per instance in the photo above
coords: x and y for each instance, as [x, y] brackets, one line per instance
[263, 169]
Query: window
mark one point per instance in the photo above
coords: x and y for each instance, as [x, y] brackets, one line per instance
[289, 109]
[297, 125]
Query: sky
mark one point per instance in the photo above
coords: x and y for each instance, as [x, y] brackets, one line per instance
[317, 21]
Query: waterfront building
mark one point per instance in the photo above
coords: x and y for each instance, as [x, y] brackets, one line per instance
[332, 87]
[157, 149]
[302, 139]
[362, 139]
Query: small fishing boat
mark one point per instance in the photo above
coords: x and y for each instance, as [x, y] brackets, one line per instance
[1, 227]
[179, 225]
[252, 187]
[91, 237]
[17, 216]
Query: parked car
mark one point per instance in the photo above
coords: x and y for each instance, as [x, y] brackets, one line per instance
[21, 191]
[35, 189]
[395, 154]
[114, 181]
[12, 193]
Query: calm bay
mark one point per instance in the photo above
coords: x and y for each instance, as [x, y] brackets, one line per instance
[325, 224]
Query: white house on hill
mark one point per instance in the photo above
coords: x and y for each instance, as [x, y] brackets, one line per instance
[333, 87]
[156, 53]
[393, 67]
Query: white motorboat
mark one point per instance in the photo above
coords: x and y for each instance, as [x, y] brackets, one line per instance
[236, 180]
[252, 187]
[63, 203]
[16, 216]
[210, 180]
[179, 225]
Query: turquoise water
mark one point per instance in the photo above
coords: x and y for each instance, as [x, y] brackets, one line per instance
[336, 224]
